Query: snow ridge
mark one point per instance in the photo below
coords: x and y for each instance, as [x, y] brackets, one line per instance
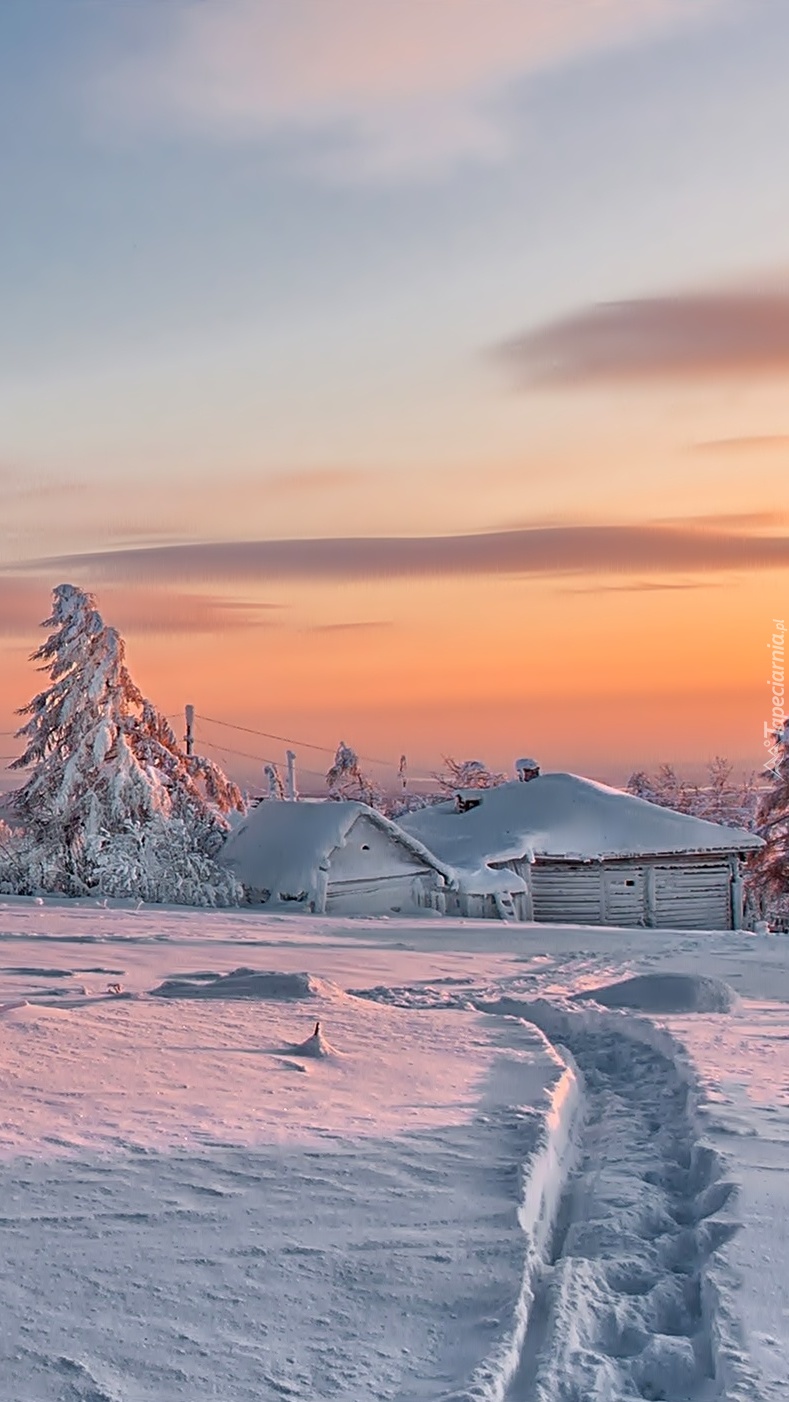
[544, 1178]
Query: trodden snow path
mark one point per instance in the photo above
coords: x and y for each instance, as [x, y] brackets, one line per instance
[620, 1302]
[624, 1309]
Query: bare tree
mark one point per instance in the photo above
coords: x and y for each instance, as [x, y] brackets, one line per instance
[722, 799]
[466, 774]
[345, 779]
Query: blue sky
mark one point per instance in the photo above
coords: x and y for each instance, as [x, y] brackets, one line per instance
[257, 257]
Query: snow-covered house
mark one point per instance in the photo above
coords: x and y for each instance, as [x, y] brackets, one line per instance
[565, 849]
[337, 857]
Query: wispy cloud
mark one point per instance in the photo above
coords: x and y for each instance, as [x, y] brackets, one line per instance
[20, 488]
[746, 444]
[25, 602]
[374, 625]
[731, 520]
[689, 336]
[388, 88]
[651, 548]
[639, 586]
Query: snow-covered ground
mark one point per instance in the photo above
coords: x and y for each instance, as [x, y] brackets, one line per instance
[474, 1184]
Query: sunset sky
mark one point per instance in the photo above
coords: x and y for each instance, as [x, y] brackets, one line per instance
[412, 373]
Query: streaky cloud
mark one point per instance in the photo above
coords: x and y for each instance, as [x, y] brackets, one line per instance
[689, 336]
[745, 443]
[639, 586]
[568, 549]
[374, 625]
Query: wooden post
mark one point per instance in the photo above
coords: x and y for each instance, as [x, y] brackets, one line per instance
[403, 773]
[651, 895]
[736, 892]
[291, 785]
[524, 868]
[189, 736]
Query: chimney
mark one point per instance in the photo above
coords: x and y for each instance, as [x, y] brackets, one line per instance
[527, 769]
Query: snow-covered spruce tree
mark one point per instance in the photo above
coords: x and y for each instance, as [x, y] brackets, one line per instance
[112, 804]
[769, 868]
[346, 780]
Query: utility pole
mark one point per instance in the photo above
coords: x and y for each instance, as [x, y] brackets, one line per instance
[189, 736]
[403, 773]
[291, 784]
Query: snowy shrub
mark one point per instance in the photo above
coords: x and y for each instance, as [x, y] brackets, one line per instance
[112, 803]
[276, 788]
[346, 780]
[160, 862]
[396, 807]
[28, 867]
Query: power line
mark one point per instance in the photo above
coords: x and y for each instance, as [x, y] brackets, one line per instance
[289, 740]
[245, 754]
[286, 740]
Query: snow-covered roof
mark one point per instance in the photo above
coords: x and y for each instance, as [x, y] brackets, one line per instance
[563, 816]
[283, 847]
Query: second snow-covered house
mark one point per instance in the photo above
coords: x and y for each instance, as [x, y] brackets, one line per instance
[565, 849]
[341, 858]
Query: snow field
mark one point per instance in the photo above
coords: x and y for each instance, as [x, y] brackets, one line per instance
[485, 1190]
[350, 1270]
[197, 1206]
[100, 1072]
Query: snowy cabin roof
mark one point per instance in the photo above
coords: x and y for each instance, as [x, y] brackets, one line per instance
[564, 816]
[282, 847]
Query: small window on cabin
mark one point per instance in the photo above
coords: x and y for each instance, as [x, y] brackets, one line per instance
[630, 882]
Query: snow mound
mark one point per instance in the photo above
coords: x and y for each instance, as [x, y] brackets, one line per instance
[316, 1046]
[665, 993]
[22, 1011]
[248, 983]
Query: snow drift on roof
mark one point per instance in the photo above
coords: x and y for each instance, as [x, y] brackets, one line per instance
[562, 815]
[284, 848]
